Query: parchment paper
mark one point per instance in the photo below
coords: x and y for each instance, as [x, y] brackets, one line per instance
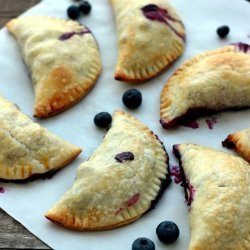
[29, 202]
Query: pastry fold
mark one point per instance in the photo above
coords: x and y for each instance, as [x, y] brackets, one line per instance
[151, 36]
[217, 186]
[122, 179]
[63, 59]
[210, 82]
[28, 150]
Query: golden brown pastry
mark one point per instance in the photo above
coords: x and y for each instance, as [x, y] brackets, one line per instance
[217, 187]
[240, 142]
[210, 82]
[122, 179]
[151, 36]
[63, 58]
[28, 150]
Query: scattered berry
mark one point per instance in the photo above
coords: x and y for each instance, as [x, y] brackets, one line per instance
[143, 244]
[223, 31]
[73, 12]
[102, 119]
[132, 98]
[167, 232]
[85, 7]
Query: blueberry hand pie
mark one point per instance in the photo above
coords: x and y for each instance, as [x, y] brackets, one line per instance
[26, 149]
[151, 36]
[210, 82]
[63, 58]
[122, 179]
[217, 186]
[240, 142]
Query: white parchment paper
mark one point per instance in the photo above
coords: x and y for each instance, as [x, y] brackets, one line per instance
[29, 202]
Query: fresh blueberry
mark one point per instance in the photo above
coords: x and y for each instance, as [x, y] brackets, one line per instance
[143, 244]
[102, 119]
[85, 7]
[73, 12]
[132, 98]
[223, 31]
[167, 232]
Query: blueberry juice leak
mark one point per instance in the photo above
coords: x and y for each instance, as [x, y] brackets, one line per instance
[68, 35]
[156, 13]
[2, 190]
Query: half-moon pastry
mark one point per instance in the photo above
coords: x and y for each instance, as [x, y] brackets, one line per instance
[217, 188]
[28, 150]
[63, 58]
[151, 36]
[210, 82]
[240, 142]
[122, 179]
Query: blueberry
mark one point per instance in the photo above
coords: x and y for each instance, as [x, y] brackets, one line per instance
[125, 156]
[132, 98]
[102, 119]
[73, 12]
[167, 232]
[85, 7]
[143, 244]
[223, 31]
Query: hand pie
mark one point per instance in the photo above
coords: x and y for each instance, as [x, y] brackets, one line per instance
[217, 186]
[210, 82]
[151, 36]
[63, 58]
[122, 180]
[240, 142]
[27, 150]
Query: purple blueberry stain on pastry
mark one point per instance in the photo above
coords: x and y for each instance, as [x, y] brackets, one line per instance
[188, 119]
[243, 47]
[190, 193]
[33, 177]
[153, 12]
[164, 182]
[156, 13]
[68, 35]
[124, 156]
[130, 202]
[189, 190]
[169, 124]
[175, 172]
[119, 210]
[133, 199]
